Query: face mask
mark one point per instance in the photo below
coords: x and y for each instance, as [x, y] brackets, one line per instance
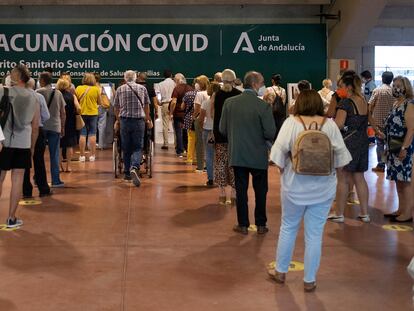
[397, 92]
[342, 92]
[261, 91]
[197, 86]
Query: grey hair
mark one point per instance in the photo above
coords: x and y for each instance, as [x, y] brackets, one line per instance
[180, 79]
[228, 76]
[130, 76]
[31, 83]
[250, 78]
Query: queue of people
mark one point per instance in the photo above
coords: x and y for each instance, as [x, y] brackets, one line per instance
[226, 129]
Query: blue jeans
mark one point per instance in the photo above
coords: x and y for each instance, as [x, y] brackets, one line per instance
[91, 124]
[53, 139]
[132, 142]
[209, 154]
[380, 151]
[101, 127]
[314, 218]
[178, 129]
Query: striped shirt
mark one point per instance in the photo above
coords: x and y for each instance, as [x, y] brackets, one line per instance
[127, 102]
[381, 103]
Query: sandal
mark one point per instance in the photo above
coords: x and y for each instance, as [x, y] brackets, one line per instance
[222, 200]
[278, 277]
[335, 218]
[364, 218]
[309, 286]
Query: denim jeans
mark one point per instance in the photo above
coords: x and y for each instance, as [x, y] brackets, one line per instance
[380, 151]
[101, 127]
[178, 129]
[132, 142]
[53, 139]
[199, 145]
[314, 219]
[209, 154]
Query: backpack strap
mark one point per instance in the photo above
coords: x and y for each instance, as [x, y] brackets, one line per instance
[323, 123]
[303, 122]
[136, 95]
[50, 99]
[317, 127]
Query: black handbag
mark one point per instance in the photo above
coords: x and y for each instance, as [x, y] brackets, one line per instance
[395, 144]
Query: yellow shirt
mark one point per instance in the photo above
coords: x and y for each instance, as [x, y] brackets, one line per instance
[89, 102]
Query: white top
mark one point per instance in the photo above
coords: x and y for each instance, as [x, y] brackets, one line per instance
[326, 95]
[305, 189]
[1, 135]
[201, 97]
[165, 89]
[208, 120]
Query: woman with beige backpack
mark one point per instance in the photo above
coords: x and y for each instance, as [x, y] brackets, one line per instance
[308, 187]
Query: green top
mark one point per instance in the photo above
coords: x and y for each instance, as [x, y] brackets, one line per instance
[248, 123]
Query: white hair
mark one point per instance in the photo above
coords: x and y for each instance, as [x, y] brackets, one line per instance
[130, 76]
[228, 76]
[180, 79]
[7, 81]
[31, 83]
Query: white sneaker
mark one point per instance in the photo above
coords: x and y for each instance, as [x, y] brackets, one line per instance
[10, 223]
[82, 158]
[92, 159]
[364, 218]
[335, 218]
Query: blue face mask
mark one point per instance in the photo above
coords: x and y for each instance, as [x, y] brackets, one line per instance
[261, 91]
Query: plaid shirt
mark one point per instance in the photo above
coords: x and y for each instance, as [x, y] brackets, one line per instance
[381, 103]
[127, 102]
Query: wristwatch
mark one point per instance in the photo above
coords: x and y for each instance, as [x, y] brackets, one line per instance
[403, 148]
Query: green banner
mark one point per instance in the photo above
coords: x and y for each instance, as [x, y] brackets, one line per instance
[295, 51]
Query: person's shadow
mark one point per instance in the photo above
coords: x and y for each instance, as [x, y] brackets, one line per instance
[7, 305]
[222, 266]
[202, 215]
[24, 251]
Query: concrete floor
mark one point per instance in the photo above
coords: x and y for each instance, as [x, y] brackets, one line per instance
[102, 244]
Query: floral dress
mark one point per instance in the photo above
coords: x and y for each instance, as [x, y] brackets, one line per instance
[395, 126]
[188, 100]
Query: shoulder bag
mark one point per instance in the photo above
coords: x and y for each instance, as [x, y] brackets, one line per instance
[105, 102]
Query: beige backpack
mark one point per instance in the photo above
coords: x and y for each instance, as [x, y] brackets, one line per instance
[312, 153]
